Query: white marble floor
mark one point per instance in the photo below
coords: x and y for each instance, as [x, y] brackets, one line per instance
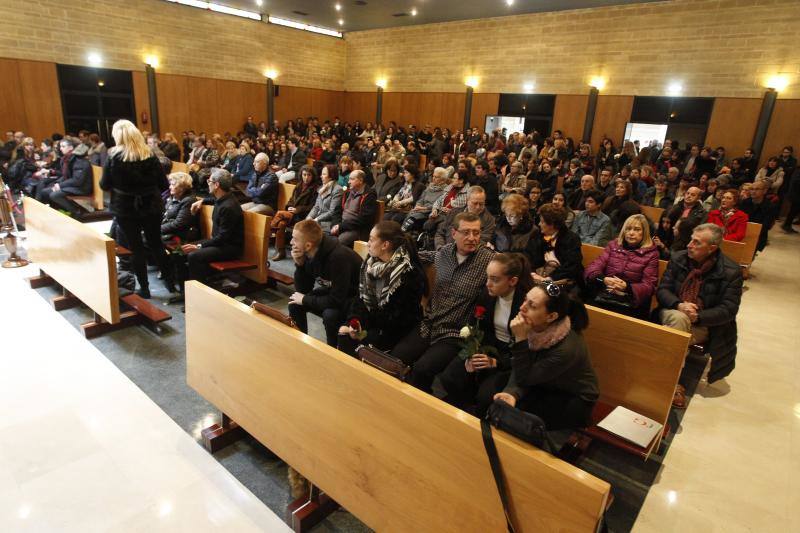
[83, 449]
[735, 464]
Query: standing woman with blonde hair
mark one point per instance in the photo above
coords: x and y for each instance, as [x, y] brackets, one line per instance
[136, 179]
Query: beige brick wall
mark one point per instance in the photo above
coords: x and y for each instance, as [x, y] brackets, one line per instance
[187, 40]
[713, 47]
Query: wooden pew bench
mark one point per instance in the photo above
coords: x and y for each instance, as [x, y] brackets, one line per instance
[253, 262]
[396, 458]
[83, 262]
[743, 252]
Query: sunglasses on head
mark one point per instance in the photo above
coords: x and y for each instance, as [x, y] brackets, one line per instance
[551, 288]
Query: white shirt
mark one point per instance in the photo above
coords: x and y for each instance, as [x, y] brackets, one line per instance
[502, 314]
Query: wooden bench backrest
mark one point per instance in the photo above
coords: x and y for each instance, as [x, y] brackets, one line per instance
[180, 167]
[256, 241]
[637, 362]
[285, 192]
[79, 258]
[361, 249]
[396, 457]
[97, 192]
[423, 163]
[736, 251]
[652, 213]
[380, 211]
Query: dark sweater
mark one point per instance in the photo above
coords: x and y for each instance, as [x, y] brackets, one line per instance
[135, 186]
[337, 267]
[227, 224]
[568, 253]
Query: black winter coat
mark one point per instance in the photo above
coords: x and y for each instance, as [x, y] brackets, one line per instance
[179, 221]
[337, 267]
[721, 294]
[387, 325]
[135, 186]
[567, 250]
[227, 224]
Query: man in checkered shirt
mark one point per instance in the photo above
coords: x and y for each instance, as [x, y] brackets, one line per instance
[460, 277]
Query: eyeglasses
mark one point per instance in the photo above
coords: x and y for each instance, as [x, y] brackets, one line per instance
[468, 233]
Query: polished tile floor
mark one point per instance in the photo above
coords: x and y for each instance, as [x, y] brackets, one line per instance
[735, 463]
[83, 449]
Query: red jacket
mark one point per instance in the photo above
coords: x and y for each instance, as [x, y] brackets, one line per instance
[736, 226]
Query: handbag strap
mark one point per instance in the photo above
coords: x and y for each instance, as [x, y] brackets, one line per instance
[494, 461]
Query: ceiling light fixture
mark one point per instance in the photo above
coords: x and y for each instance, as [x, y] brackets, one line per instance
[95, 59]
[211, 6]
[341, 22]
[509, 2]
[338, 7]
[413, 11]
[528, 87]
[259, 3]
[304, 27]
[675, 88]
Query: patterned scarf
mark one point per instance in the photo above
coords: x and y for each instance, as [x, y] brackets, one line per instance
[555, 333]
[690, 289]
[390, 272]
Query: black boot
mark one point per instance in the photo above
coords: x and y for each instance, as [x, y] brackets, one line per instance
[144, 292]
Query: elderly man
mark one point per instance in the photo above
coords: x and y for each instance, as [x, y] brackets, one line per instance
[227, 227]
[577, 198]
[700, 294]
[476, 204]
[686, 215]
[321, 258]
[262, 189]
[358, 211]
[460, 277]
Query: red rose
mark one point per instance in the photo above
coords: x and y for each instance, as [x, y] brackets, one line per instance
[354, 324]
[479, 311]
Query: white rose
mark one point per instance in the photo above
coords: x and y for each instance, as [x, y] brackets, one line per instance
[465, 332]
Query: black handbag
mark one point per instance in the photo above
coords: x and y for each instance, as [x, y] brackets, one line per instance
[525, 426]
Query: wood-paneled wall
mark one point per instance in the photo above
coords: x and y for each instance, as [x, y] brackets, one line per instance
[613, 113]
[784, 129]
[733, 123]
[361, 106]
[294, 102]
[483, 104]
[30, 99]
[569, 114]
[141, 100]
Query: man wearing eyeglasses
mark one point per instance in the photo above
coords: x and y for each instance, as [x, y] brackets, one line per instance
[227, 227]
[460, 278]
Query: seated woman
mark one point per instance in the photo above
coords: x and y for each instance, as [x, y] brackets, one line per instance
[178, 223]
[551, 372]
[297, 207]
[561, 201]
[664, 235]
[515, 181]
[729, 218]
[389, 182]
[391, 285]
[772, 173]
[422, 208]
[620, 205]
[327, 210]
[624, 277]
[345, 167]
[508, 280]
[554, 250]
[548, 180]
[534, 200]
[401, 203]
[515, 227]
[243, 167]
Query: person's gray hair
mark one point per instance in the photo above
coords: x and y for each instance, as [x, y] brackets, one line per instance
[358, 174]
[475, 189]
[716, 232]
[223, 178]
[261, 156]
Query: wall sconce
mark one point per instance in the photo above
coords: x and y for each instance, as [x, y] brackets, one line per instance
[151, 61]
[675, 89]
[381, 82]
[471, 81]
[528, 87]
[271, 74]
[598, 82]
[779, 82]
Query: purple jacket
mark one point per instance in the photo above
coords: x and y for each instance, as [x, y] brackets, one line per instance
[639, 268]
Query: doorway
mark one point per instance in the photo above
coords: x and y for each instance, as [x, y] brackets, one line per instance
[94, 98]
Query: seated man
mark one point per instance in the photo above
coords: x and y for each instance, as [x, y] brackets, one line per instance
[592, 225]
[262, 189]
[762, 210]
[686, 215]
[460, 277]
[321, 258]
[296, 162]
[577, 198]
[72, 177]
[227, 230]
[476, 204]
[700, 293]
[359, 206]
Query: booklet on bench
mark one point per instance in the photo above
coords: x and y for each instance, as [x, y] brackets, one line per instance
[631, 426]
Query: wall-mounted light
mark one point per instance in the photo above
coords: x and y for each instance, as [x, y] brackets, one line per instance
[271, 74]
[413, 11]
[598, 82]
[94, 59]
[675, 89]
[779, 82]
[338, 7]
[381, 82]
[101, 83]
[528, 87]
[471, 81]
[305, 27]
[509, 2]
[341, 22]
[151, 60]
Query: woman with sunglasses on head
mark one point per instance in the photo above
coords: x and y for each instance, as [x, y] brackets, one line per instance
[551, 372]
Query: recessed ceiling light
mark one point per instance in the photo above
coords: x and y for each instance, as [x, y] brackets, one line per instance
[509, 2]
[259, 3]
[413, 11]
[94, 59]
[101, 83]
[341, 22]
[338, 7]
